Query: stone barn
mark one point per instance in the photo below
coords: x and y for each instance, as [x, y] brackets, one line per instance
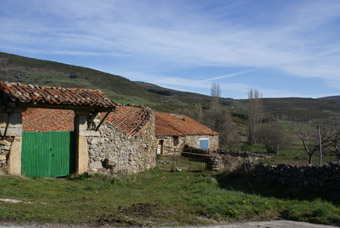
[54, 131]
[174, 131]
[127, 141]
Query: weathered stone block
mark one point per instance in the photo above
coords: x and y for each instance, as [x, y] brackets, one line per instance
[5, 143]
[3, 157]
[6, 147]
[95, 165]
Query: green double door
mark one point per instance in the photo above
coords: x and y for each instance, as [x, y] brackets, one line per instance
[48, 154]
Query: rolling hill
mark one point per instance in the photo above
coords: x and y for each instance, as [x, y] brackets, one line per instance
[29, 70]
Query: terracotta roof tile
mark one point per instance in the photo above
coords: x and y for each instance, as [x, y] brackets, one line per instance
[55, 95]
[43, 120]
[168, 124]
[130, 119]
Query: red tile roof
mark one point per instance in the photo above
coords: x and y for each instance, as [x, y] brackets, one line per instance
[55, 95]
[130, 119]
[168, 124]
[43, 120]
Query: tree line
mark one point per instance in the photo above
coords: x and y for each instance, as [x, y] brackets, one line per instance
[313, 136]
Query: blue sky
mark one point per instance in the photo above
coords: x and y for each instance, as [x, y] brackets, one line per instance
[282, 48]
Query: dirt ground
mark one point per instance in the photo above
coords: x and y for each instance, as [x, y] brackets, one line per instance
[267, 224]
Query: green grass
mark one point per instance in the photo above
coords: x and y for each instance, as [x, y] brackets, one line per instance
[155, 197]
[294, 154]
[311, 205]
[249, 148]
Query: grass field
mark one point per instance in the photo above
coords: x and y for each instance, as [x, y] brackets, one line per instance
[155, 197]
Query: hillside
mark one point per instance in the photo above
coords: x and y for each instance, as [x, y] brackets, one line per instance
[28, 70]
[330, 98]
[300, 108]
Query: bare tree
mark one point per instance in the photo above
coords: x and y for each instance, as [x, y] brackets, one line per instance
[217, 118]
[273, 137]
[255, 107]
[334, 138]
[215, 93]
[308, 134]
[215, 90]
[336, 145]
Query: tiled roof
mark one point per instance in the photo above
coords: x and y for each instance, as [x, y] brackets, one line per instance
[168, 124]
[55, 95]
[43, 120]
[130, 119]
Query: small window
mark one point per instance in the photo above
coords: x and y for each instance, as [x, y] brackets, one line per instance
[176, 141]
[204, 144]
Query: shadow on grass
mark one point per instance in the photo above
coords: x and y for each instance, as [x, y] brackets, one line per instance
[249, 183]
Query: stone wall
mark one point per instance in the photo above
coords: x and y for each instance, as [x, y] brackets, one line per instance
[169, 147]
[193, 141]
[5, 146]
[244, 154]
[230, 161]
[300, 177]
[13, 123]
[115, 151]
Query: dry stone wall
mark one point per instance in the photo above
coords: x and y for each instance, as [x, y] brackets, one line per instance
[302, 177]
[115, 151]
[5, 146]
[228, 160]
[243, 154]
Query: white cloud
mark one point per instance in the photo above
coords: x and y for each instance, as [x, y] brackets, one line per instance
[301, 41]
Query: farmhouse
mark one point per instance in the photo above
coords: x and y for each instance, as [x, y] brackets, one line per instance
[173, 132]
[54, 131]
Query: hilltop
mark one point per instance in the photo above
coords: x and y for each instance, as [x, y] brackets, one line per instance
[29, 70]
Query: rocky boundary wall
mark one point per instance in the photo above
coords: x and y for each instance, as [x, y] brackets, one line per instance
[228, 160]
[326, 177]
[243, 154]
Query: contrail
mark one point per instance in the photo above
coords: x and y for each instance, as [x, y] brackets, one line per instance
[229, 75]
[282, 64]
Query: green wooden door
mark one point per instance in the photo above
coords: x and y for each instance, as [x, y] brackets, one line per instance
[47, 154]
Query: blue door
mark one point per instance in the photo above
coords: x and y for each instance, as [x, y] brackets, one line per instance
[204, 144]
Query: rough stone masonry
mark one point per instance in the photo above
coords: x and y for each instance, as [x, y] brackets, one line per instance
[115, 151]
[5, 146]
